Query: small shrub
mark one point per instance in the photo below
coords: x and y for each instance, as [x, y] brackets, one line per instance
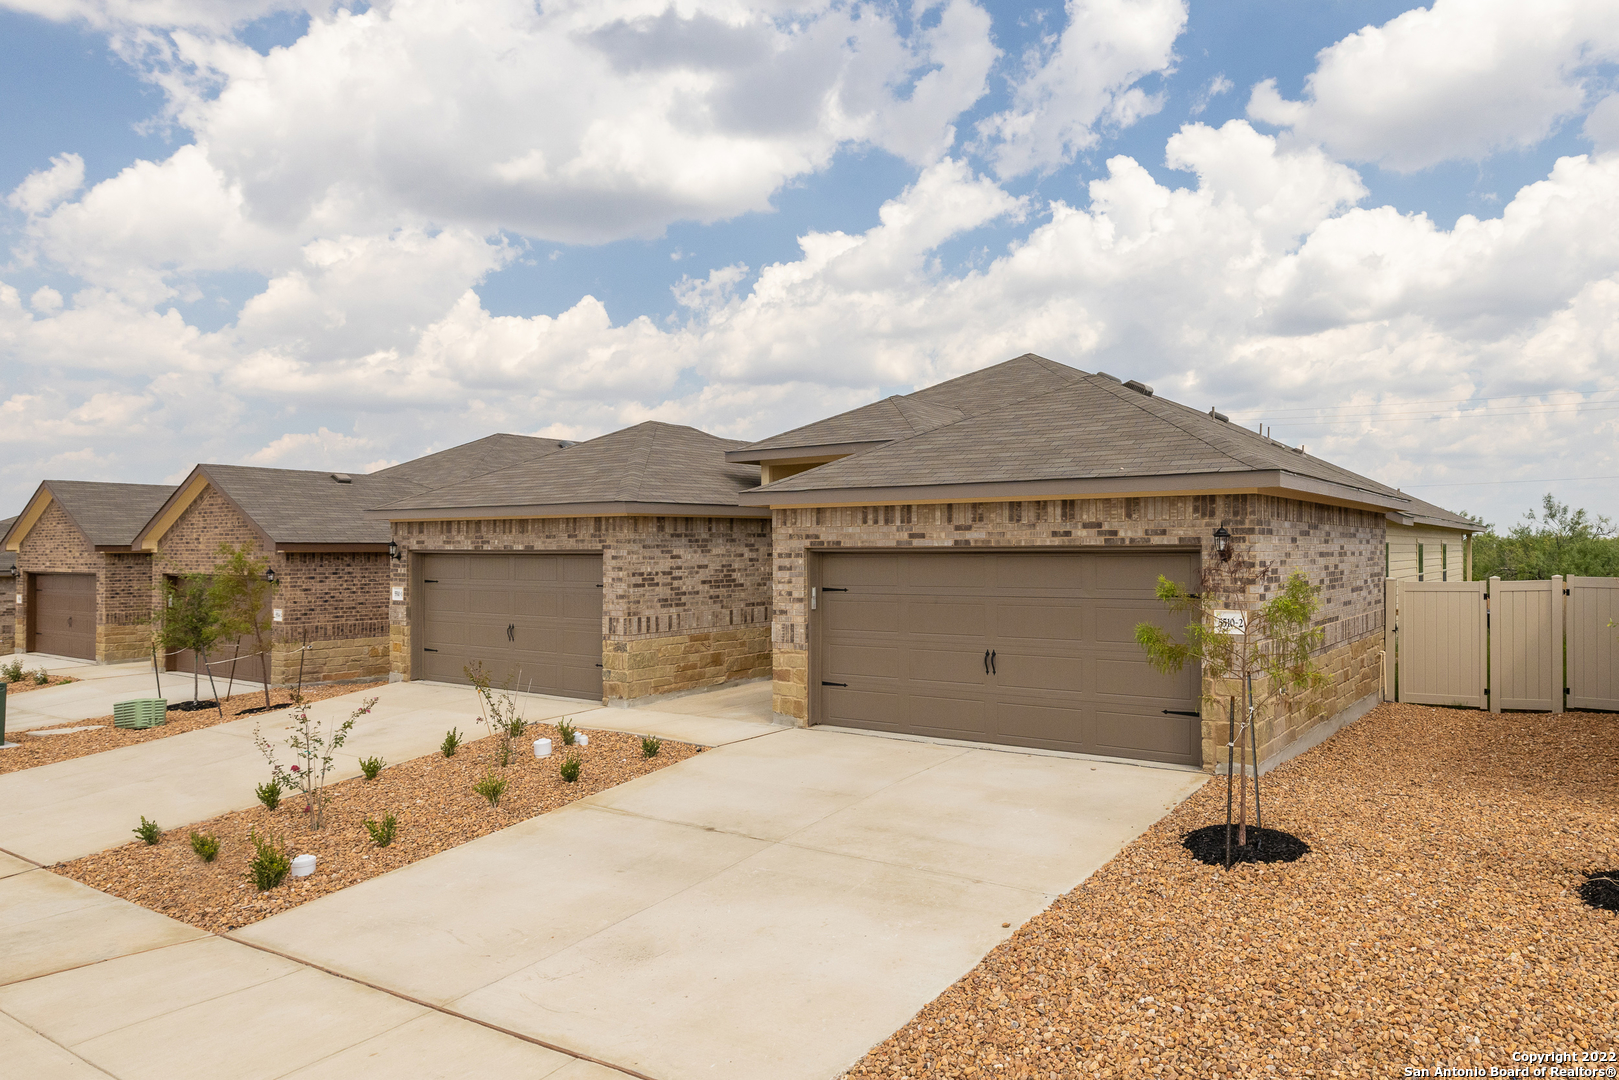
[269, 794]
[270, 863]
[491, 787]
[371, 766]
[149, 831]
[12, 672]
[452, 742]
[650, 745]
[41, 677]
[570, 768]
[382, 832]
[206, 847]
[567, 732]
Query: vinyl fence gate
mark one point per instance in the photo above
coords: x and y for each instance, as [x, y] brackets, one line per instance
[1539, 646]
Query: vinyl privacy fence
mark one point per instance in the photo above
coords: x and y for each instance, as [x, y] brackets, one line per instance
[1541, 646]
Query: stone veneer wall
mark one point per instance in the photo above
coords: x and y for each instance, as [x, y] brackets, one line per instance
[123, 585]
[1340, 549]
[685, 600]
[334, 605]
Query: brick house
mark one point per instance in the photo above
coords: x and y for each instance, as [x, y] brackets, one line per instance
[8, 598]
[615, 569]
[969, 562]
[85, 589]
[329, 608]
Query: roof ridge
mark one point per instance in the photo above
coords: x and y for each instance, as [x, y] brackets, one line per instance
[1119, 391]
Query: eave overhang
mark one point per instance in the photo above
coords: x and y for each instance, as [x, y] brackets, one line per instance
[1259, 482]
[29, 518]
[579, 509]
[819, 452]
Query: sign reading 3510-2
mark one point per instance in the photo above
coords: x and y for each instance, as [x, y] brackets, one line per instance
[1230, 622]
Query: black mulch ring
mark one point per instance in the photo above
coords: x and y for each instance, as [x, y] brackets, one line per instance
[265, 708]
[193, 706]
[1600, 889]
[1207, 845]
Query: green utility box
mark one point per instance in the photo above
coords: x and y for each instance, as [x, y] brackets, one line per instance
[140, 713]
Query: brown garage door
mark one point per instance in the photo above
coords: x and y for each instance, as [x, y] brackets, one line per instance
[1019, 648]
[535, 621]
[62, 620]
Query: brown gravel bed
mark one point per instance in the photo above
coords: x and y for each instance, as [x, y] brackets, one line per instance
[1436, 920]
[432, 797]
[22, 686]
[35, 750]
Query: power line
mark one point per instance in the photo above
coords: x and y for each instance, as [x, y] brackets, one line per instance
[1481, 414]
[1586, 397]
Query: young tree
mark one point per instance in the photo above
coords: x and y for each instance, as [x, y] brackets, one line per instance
[243, 595]
[190, 620]
[1270, 642]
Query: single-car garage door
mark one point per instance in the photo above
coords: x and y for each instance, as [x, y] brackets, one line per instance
[62, 620]
[534, 621]
[1027, 649]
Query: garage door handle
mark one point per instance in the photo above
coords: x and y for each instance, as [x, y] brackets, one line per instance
[1180, 712]
[829, 588]
[992, 670]
[986, 661]
[825, 683]
[426, 649]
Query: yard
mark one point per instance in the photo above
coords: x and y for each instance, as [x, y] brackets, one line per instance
[1436, 920]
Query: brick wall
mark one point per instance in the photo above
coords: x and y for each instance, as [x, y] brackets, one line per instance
[1341, 551]
[123, 585]
[8, 614]
[334, 605]
[685, 600]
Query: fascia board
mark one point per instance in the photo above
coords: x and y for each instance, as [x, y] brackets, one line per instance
[746, 456]
[1259, 482]
[29, 517]
[583, 509]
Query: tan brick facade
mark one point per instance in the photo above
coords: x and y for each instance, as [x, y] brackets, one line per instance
[334, 605]
[685, 600]
[8, 614]
[123, 585]
[1340, 549]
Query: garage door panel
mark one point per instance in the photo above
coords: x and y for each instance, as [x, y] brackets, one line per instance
[945, 618]
[861, 615]
[867, 572]
[1061, 620]
[533, 621]
[957, 667]
[1062, 627]
[869, 663]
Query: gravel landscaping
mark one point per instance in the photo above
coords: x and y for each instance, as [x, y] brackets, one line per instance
[431, 796]
[1437, 918]
[22, 686]
[32, 750]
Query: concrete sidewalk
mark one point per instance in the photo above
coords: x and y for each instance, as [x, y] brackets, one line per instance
[92, 987]
[100, 686]
[58, 812]
[770, 908]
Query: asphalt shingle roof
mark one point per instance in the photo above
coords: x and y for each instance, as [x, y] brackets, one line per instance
[8, 559]
[471, 459]
[297, 506]
[1065, 427]
[651, 462]
[109, 515]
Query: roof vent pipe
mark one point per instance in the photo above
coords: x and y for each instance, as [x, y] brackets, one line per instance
[1139, 387]
[1219, 415]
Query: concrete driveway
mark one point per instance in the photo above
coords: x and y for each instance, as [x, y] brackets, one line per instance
[770, 908]
[100, 686]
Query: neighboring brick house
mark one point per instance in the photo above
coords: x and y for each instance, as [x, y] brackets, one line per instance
[969, 562]
[329, 607]
[8, 598]
[618, 568]
[86, 591]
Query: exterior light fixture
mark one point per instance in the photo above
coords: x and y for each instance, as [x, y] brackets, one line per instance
[1222, 543]
[393, 550]
[269, 574]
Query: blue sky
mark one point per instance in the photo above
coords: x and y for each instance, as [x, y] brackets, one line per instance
[340, 238]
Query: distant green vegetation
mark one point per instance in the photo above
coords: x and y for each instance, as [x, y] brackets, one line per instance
[1560, 540]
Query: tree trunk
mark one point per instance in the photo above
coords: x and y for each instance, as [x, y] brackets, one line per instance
[264, 666]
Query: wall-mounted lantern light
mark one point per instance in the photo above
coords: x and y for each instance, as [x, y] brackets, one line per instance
[393, 550]
[269, 574]
[1222, 543]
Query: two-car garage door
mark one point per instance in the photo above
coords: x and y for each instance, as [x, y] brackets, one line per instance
[533, 621]
[1027, 649]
